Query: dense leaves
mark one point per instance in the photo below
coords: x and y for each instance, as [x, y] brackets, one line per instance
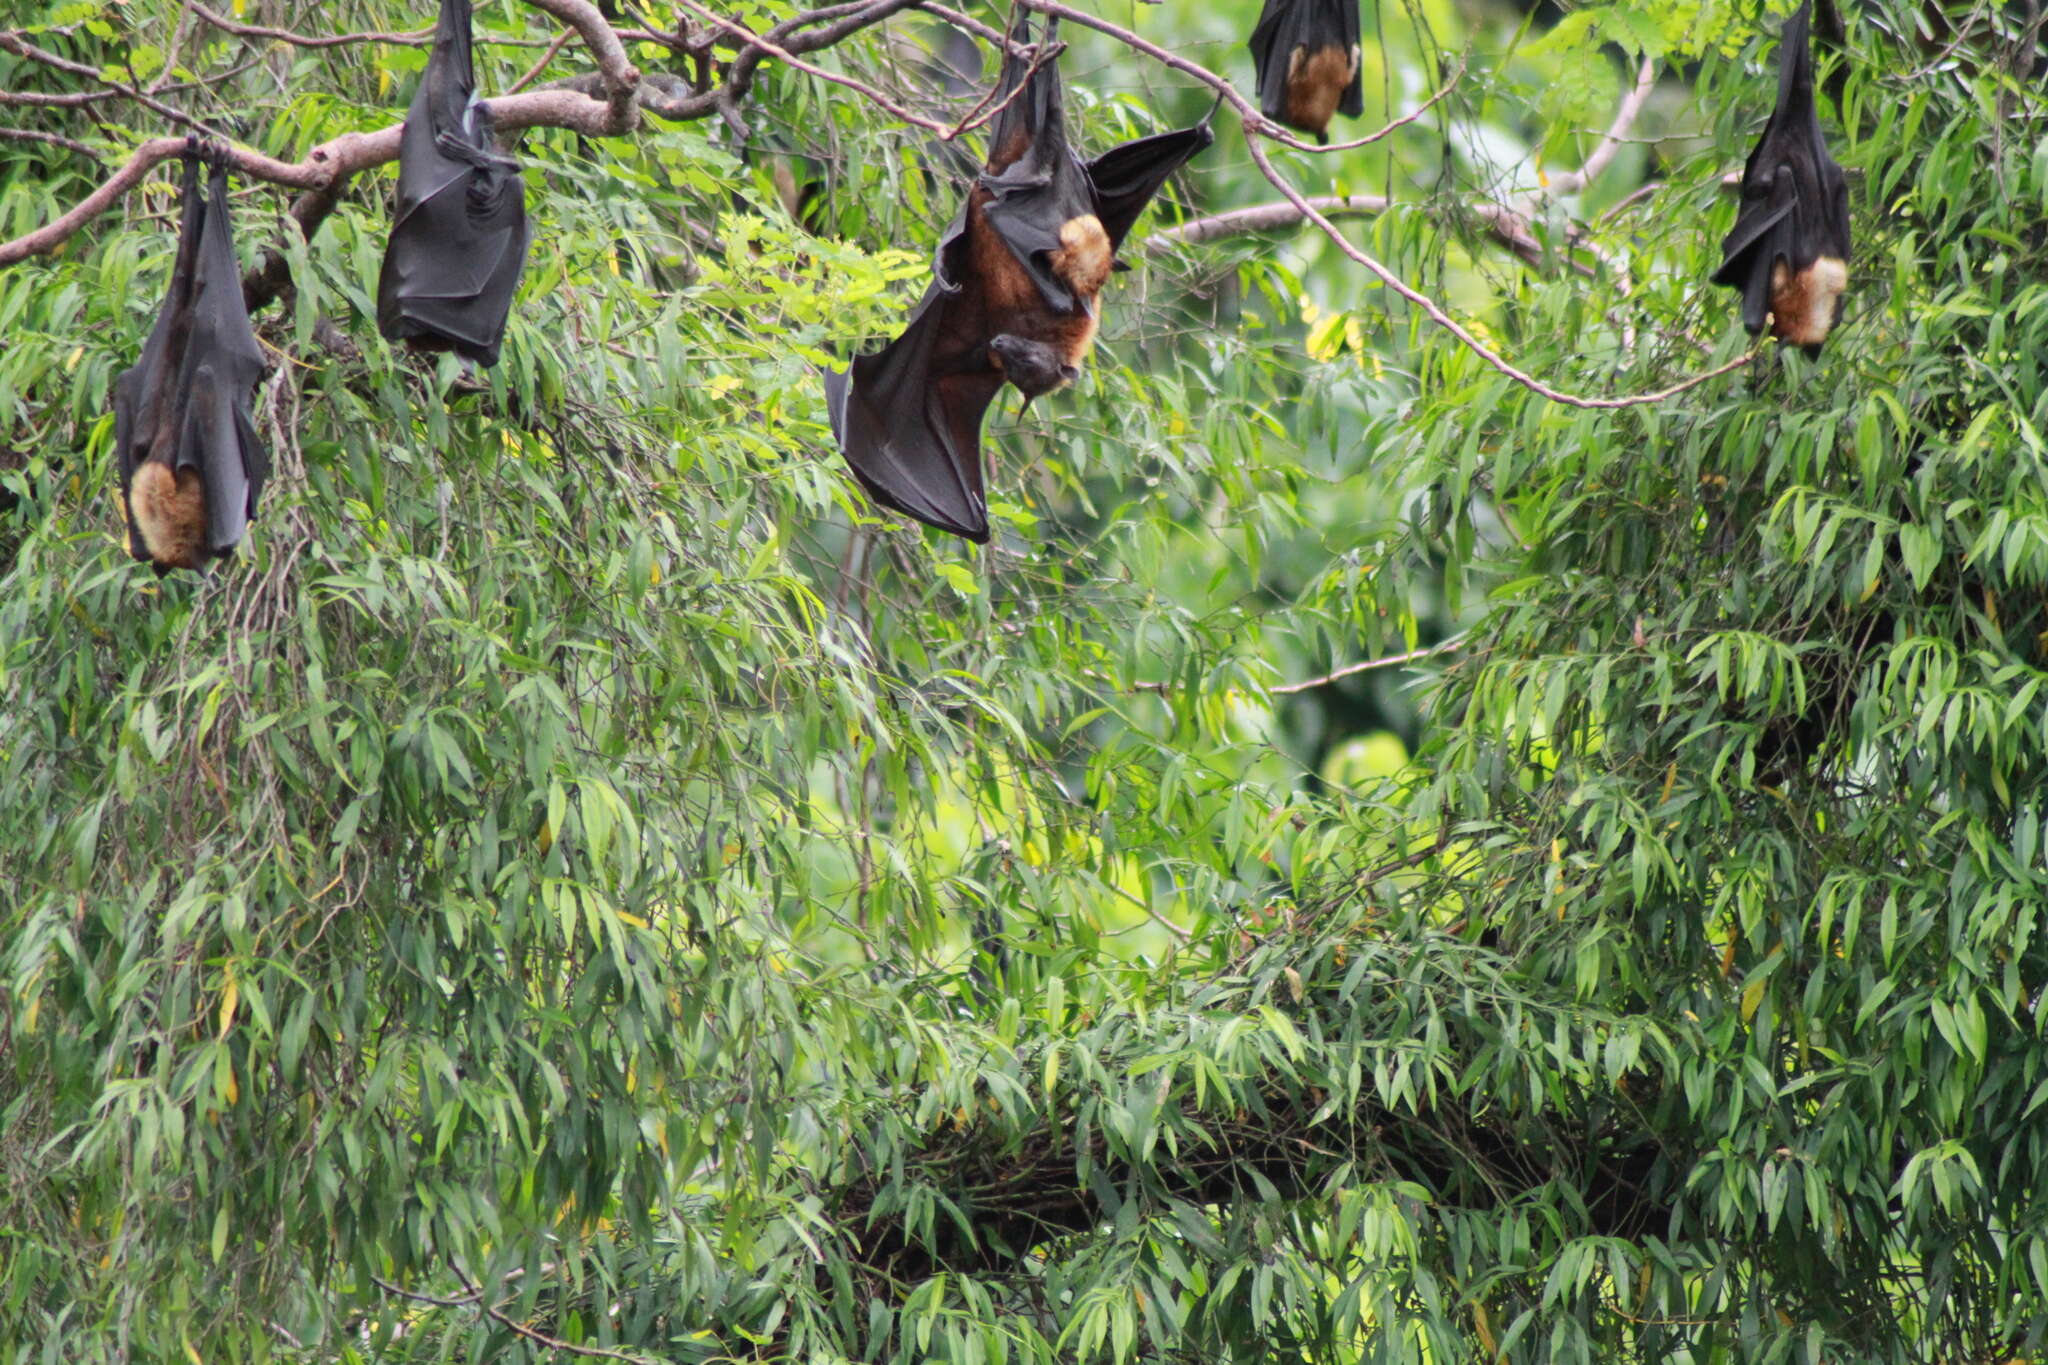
[579, 876]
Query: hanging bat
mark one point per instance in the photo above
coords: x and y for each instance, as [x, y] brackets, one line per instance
[1306, 54]
[1013, 299]
[458, 230]
[1789, 250]
[190, 463]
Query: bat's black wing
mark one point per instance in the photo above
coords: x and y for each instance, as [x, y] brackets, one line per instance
[224, 362]
[1794, 204]
[909, 419]
[458, 232]
[1037, 183]
[909, 416]
[185, 404]
[1305, 27]
[1125, 178]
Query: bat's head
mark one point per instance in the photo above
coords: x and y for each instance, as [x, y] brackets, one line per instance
[1034, 367]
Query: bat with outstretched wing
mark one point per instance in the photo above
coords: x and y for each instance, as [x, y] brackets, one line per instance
[1013, 298]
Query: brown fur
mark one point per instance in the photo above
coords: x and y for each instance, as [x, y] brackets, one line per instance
[1803, 305]
[1316, 82]
[1012, 301]
[1084, 257]
[170, 513]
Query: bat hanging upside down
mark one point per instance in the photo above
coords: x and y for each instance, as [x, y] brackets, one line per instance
[1013, 299]
[1307, 56]
[1789, 250]
[190, 461]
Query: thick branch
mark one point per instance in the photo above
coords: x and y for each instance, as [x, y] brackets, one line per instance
[326, 168]
[620, 75]
[1262, 218]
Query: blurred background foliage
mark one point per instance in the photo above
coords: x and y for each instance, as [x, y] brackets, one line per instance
[582, 880]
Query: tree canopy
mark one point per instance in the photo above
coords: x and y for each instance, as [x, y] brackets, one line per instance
[1468, 811]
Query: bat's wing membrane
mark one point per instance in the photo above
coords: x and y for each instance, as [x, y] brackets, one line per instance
[913, 437]
[1273, 38]
[1036, 182]
[1287, 25]
[225, 363]
[1349, 29]
[1127, 177]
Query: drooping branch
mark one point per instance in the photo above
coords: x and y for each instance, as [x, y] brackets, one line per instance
[1037, 1177]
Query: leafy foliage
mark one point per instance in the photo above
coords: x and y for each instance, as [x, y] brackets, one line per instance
[581, 875]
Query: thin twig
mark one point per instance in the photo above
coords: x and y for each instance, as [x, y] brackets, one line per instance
[21, 47]
[788, 58]
[1368, 665]
[35, 135]
[533, 72]
[535, 1335]
[1282, 136]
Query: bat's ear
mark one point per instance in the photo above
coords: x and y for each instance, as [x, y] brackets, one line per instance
[1124, 266]
[1070, 374]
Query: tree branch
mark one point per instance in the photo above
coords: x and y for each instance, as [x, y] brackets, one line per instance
[21, 47]
[415, 38]
[53, 139]
[1571, 182]
[1369, 665]
[1504, 224]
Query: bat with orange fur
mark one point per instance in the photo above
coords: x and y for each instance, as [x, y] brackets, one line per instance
[1013, 299]
[1789, 250]
[1307, 56]
[190, 461]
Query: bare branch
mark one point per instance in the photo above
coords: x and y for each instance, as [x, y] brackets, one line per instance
[1571, 182]
[419, 37]
[1388, 131]
[756, 41]
[620, 75]
[1507, 227]
[535, 1335]
[327, 167]
[1369, 665]
[533, 72]
[33, 135]
[416, 38]
[21, 47]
